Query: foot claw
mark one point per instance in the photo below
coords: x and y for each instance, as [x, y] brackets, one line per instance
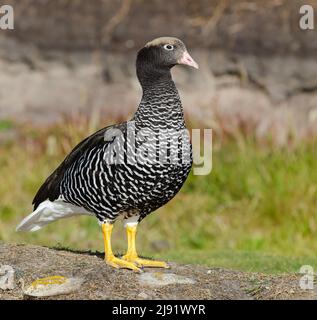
[122, 264]
[145, 262]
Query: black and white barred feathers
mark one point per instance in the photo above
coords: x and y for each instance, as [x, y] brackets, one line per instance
[132, 168]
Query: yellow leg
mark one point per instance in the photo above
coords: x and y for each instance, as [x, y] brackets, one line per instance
[132, 256]
[109, 256]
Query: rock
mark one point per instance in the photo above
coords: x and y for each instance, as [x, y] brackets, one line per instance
[6, 277]
[85, 275]
[163, 279]
[143, 295]
[53, 286]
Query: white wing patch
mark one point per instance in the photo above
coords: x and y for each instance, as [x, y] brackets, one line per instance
[49, 211]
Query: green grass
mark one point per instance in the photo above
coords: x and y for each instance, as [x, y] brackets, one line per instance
[249, 261]
[256, 211]
[5, 125]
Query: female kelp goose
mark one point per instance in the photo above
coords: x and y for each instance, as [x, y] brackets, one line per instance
[99, 177]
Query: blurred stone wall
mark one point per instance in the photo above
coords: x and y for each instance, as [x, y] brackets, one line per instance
[258, 69]
[240, 26]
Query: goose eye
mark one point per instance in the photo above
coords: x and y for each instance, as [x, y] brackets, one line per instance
[168, 47]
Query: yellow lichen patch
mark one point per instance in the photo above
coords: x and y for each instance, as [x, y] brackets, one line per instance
[52, 286]
[49, 280]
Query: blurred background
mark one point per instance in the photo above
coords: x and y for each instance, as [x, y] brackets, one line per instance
[68, 69]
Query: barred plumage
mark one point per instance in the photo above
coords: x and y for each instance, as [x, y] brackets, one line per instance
[109, 190]
[129, 169]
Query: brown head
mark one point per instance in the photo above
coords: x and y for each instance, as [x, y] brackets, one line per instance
[158, 56]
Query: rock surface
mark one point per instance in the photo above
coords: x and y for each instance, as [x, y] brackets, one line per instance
[99, 281]
[53, 286]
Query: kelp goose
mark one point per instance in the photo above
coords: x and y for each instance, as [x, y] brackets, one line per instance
[128, 169]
